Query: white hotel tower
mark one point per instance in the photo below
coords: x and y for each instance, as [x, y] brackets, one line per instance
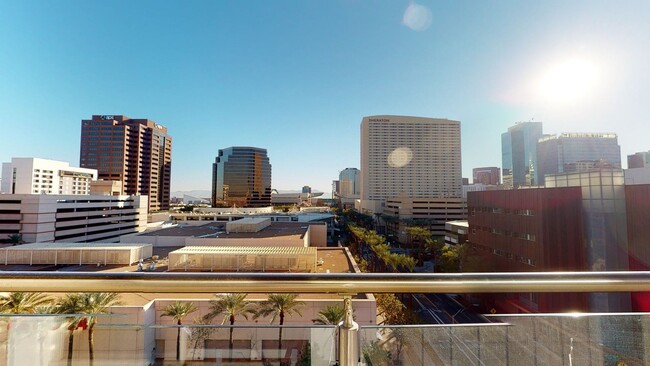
[411, 168]
[43, 176]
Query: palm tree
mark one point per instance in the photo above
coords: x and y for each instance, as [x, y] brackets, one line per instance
[27, 303]
[22, 302]
[420, 235]
[178, 311]
[231, 306]
[71, 304]
[15, 239]
[92, 305]
[279, 305]
[331, 315]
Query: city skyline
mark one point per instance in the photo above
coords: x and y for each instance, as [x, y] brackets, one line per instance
[296, 79]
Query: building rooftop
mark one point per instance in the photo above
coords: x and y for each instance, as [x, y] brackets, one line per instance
[334, 260]
[463, 223]
[75, 246]
[245, 250]
[218, 230]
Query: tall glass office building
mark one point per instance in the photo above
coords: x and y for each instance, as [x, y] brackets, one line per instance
[241, 176]
[576, 152]
[519, 153]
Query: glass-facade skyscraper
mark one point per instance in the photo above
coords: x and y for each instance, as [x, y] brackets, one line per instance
[575, 152]
[638, 160]
[241, 176]
[349, 182]
[519, 153]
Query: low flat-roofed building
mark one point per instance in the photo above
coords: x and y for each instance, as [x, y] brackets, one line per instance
[142, 335]
[248, 225]
[282, 234]
[71, 218]
[456, 232]
[298, 198]
[243, 259]
[106, 187]
[75, 253]
[306, 214]
[431, 213]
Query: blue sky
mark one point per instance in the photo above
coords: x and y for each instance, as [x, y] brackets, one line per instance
[296, 77]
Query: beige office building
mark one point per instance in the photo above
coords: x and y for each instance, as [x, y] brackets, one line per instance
[411, 157]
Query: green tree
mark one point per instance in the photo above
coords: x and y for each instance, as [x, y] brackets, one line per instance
[186, 208]
[400, 336]
[331, 315]
[93, 304]
[90, 305]
[15, 239]
[473, 260]
[305, 355]
[22, 302]
[418, 235]
[200, 333]
[279, 306]
[381, 257]
[230, 306]
[362, 263]
[177, 311]
[389, 306]
[375, 355]
[71, 304]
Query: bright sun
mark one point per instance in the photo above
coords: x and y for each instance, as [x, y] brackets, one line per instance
[568, 81]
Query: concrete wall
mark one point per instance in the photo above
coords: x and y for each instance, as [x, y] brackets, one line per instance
[247, 242]
[365, 311]
[316, 236]
[123, 337]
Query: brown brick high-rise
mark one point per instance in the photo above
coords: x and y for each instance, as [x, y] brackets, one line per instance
[136, 151]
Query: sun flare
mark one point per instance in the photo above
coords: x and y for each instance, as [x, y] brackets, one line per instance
[568, 81]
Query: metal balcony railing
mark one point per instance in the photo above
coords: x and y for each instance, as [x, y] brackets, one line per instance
[347, 285]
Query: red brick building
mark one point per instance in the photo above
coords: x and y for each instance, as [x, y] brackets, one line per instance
[529, 230]
[637, 201]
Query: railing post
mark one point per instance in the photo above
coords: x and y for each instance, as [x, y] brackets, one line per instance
[348, 336]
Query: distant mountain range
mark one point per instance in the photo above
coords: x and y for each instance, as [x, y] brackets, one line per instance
[199, 193]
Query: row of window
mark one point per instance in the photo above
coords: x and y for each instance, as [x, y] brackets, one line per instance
[497, 231]
[513, 257]
[500, 210]
[508, 255]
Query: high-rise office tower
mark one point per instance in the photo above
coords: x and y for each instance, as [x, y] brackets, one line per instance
[137, 152]
[411, 157]
[241, 176]
[349, 183]
[487, 175]
[519, 154]
[576, 152]
[638, 160]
